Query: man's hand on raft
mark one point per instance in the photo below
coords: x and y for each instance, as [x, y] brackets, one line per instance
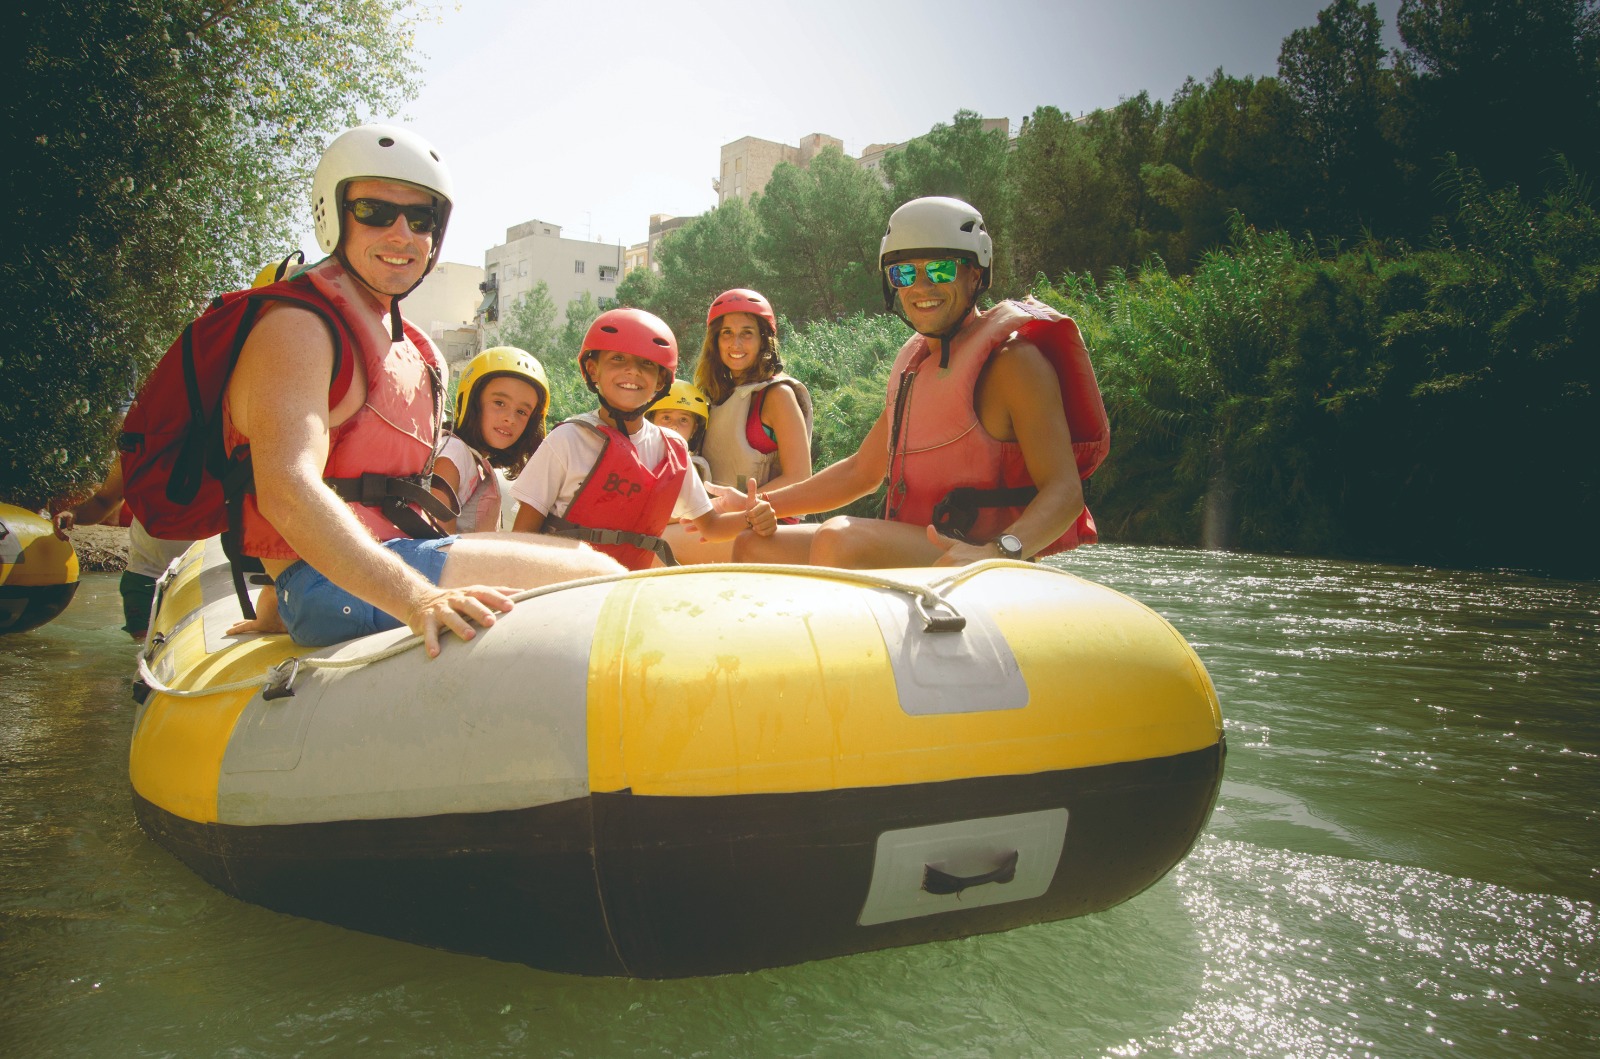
[456, 609]
[958, 552]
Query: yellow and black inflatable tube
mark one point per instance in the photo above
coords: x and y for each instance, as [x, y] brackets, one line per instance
[692, 771]
[38, 570]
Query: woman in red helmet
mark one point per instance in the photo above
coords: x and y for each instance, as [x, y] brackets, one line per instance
[613, 478]
[760, 422]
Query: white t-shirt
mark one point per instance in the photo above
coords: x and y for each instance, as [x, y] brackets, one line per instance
[568, 453]
[149, 555]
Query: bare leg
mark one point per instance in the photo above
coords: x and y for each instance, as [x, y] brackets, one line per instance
[690, 550]
[791, 544]
[521, 560]
[870, 543]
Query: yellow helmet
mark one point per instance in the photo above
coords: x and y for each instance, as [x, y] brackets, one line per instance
[685, 396]
[280, 269]
[502, 360]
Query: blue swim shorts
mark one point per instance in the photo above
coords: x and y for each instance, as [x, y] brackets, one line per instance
[318, 612]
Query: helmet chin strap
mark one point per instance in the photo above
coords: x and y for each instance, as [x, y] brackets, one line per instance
[947, 336]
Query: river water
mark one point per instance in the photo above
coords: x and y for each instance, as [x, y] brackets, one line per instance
[1404, 861]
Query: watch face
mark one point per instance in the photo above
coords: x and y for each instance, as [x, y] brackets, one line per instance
[1010, 545]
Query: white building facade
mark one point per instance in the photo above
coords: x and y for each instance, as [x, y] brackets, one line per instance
[536, 250]
[444, 306]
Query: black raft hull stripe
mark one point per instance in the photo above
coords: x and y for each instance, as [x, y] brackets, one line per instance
[666, 887]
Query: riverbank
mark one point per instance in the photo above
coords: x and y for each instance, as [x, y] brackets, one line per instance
[101, 548]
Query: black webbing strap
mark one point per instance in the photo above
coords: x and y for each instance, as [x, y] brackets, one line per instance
[955, 515]
[557, 526]
[394, 497]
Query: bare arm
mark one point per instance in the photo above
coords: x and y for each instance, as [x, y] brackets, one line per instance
[279, 399]
[1018, 400]
[755, 514]
[529, 519]
[850, 479]
[97, 508]
[781, 412]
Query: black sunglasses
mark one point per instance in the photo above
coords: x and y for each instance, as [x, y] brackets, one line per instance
[378, 213]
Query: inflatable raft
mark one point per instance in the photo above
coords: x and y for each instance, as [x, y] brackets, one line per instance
[38, 570]
[689, 771]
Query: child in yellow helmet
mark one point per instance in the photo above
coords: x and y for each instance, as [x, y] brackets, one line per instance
[685, 411]
[501, 403]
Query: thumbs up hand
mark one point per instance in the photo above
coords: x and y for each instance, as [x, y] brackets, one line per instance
[758, 514]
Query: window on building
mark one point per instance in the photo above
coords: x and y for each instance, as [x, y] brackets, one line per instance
[608, 272]
[738, 165]
[577, 266]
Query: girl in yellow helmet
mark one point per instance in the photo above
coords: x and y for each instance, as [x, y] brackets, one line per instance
[501, 403]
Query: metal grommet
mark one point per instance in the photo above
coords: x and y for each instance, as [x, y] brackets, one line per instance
[347, 610]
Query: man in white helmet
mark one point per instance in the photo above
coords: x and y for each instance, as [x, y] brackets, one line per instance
[341, 411]
[974, 437]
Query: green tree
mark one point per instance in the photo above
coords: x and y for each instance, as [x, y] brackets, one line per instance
[1064, 222]
[820, 228]
[1506, 86]
[530, 324]
[1228, 145]
[708, 255]
[158, 153]
[965, 160]
[1334, 71]
[569, 395]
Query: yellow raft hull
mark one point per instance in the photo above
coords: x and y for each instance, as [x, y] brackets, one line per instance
[690, 771]
[38, 570]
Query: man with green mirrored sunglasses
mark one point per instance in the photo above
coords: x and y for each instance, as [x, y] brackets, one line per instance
[991, 420]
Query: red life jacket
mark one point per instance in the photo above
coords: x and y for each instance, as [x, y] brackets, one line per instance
[622, 506]
[184, 478]
[380, 459]
[945, 470]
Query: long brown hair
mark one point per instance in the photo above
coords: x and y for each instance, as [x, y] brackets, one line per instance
[515, 456]
[713, 376]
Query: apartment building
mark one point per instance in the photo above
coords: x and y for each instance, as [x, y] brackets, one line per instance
[536, 250]
[444, 305]
[747, 163]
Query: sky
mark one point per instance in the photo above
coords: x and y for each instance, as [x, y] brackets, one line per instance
[595, 116]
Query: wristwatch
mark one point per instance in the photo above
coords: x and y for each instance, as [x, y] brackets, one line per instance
[1010, 546]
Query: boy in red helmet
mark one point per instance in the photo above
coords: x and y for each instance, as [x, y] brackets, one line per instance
[613, 478]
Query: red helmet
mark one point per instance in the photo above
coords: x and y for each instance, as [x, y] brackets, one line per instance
[742, 300]
[632, 331]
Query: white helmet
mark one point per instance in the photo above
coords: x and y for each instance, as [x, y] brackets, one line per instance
[926, 226]
[376, 152]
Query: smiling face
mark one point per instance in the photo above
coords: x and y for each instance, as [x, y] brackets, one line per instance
[506, 406]
[738, 342]
[934, 308]
[624, 380]
[393, 259]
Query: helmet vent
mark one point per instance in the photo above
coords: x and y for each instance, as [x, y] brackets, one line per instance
[659, 341]
[969, 226]
[609, 329]
[435, 156]
[385, 141]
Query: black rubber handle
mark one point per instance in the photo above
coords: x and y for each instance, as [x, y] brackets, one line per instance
[935, 881]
